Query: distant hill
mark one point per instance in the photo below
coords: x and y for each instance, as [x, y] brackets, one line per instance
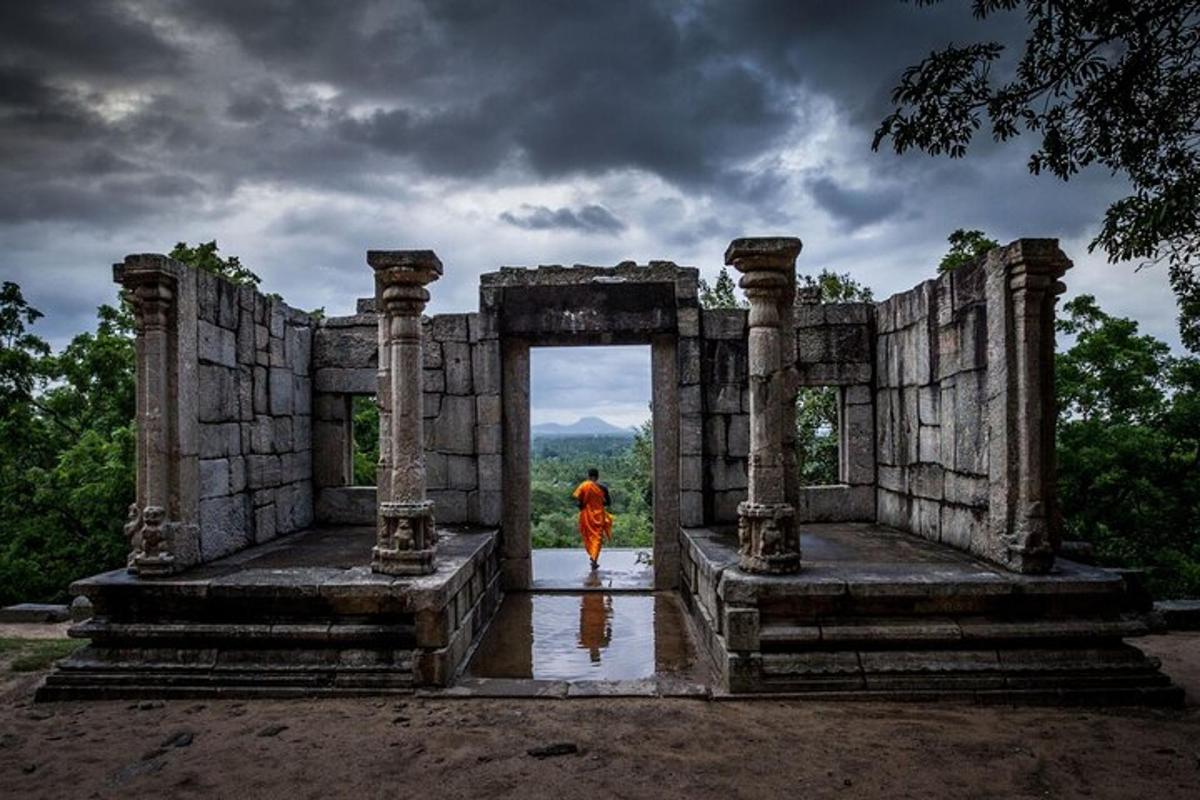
[587, 426]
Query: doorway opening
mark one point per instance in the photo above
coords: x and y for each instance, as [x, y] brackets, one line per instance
[590, 409]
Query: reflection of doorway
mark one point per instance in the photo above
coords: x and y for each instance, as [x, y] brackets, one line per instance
[665, 421]
[590, 408]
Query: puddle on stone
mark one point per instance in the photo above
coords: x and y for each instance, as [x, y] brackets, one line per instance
[568, 568]
[578, 637]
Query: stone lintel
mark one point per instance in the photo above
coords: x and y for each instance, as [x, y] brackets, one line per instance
[144, 267]
[1035, 257]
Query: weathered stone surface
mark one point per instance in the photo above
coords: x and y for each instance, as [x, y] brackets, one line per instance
[454, 427]
[214, 477]
[216, 345]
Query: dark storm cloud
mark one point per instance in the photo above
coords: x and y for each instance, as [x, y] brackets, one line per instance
[588, 219]
[855, 208]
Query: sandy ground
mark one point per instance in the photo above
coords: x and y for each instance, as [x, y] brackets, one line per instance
[368, 748]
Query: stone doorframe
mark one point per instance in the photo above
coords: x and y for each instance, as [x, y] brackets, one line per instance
[651, 305]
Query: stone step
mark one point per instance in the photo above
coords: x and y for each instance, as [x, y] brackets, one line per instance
[924, 630]
[101, 630]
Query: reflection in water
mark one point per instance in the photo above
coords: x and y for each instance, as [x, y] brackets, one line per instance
[591, 636]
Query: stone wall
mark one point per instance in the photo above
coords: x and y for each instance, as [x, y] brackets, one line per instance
[461, 396]
[254, 410]
[834, 343]
[724, 365]
[964, 406]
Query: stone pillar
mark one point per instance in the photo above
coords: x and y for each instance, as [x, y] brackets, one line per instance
[152, 294]
[407, 539]
[515, 556]
[790, 389]
[767, 537]
[1034, 268]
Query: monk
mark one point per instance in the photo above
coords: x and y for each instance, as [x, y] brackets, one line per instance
[595, 523]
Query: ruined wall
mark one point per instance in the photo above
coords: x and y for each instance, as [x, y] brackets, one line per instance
[254, 413]
[834, 344]
[724, 368]
[964, 406]
[461, 393]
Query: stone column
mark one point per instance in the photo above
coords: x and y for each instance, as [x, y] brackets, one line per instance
[1034, 270]
[151, 290]
[407, 539]
[767, 538]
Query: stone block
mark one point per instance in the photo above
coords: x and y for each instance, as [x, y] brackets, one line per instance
[433, 380]
[216, 345]
[356, 348]
[690, 400]
[303, 395]
[491, 507]
[848, 313]
[738, 435]
[723, 323]
[277, 352]
[261, 385]
[925, 480]
[894, 479]
[264, 523]
[431, 404]
[892, 509]
[331, 407]
[691, 509]
[858, 394]
[724, 505]
[346, 505]
[970, 423]
[483, 326]
[691, 473]
[963, 527]
[929, 400]
[691, 435]
[490, 476]
[302, 432]
[346, 381]
[222, 526]
[214, 477]
[724, 398]
[275, 317]
[714, 435]
[836, 503]
[487, 409]
[262, 338]
[812, 345]
[929, 443]
[453, 430]
[281, 391]
[965, 490]
[833, 374]
[282, 435]
[450, 507]
[688, 320]
[217, 400]
[262, 471]
[262, 435]
[237, 474]
[450, 328]
[728, 473]
[457, 367]
[488, 439]
[688, 355]
[485, 367]
[462, 472]
[437, 471]
[218, 440]
[300, 338]
[207, 296]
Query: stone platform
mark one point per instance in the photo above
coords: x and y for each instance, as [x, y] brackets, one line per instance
[303, 615]
[880, 614]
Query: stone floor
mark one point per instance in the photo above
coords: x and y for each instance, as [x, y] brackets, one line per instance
[567, 569]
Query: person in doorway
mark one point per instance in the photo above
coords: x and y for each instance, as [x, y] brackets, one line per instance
[595, 523]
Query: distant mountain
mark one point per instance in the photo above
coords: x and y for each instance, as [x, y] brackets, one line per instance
[587, 426]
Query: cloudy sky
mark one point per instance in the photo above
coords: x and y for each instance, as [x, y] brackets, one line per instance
[301, 133]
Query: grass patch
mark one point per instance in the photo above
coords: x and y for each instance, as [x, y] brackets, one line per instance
[33, 655]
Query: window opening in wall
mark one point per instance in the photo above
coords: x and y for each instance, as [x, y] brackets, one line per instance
[818, 435]
[364, 423]
[590, 409]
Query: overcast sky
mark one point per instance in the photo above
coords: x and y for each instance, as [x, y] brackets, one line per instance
[300, 134]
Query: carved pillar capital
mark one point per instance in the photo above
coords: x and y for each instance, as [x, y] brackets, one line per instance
[407, 537]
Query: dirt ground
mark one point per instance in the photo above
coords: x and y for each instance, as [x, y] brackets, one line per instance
[441, 748]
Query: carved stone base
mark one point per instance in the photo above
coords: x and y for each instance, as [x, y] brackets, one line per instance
[407, 539]
[767, 538]
[151, 566]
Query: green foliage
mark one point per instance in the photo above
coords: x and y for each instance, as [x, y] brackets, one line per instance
[560, 463]
[66, 467]
[835, 287]
[35, 655]
[1110, 84]
[722, 294]
[1129, 448]
[204, 256]
[365, 416]
[965, 247]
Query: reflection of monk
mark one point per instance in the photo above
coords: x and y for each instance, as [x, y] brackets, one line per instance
[595, 621]
[595, 523]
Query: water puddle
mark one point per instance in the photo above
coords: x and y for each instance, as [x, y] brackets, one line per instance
[569, 569]
[594, 636]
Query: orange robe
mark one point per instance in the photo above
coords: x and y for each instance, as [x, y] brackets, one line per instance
[595, 523]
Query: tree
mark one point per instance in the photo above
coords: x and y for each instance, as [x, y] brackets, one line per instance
[204, 256]
[965, 247]
[722, 294]
[1129, 447]
[1112, 84]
